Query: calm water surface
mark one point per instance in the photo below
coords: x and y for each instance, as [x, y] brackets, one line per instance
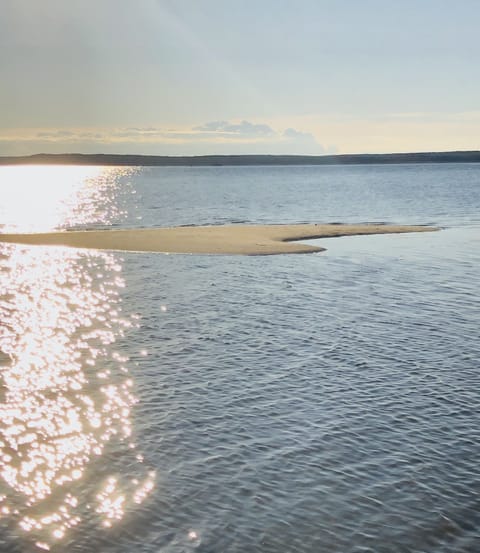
[319, 403]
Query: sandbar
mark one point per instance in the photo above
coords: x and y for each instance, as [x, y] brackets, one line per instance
[228, 239]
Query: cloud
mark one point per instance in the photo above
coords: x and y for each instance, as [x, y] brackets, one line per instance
[209, 138]
[55, 134]
[292, 133]
[66, 135]
[290, 140]
[293, 136]
[244, 128]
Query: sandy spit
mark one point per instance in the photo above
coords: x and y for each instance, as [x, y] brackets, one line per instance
[230, 239]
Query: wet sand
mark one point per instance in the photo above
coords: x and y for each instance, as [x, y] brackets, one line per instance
[230, 239]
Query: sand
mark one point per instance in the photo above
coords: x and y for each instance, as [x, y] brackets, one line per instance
[230, 239]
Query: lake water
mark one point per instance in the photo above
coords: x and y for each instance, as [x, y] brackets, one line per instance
[175, 403]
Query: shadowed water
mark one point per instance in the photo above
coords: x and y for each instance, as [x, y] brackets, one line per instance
[326, 402]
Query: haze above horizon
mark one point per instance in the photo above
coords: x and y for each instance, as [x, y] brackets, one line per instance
[181, 77]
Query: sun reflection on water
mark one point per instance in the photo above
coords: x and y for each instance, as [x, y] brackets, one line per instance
[41, 198]
[65, 394]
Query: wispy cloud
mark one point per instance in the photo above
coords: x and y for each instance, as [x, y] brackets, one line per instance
[56, 134]
[244, 129]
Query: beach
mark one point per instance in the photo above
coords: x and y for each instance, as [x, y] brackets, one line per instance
[224, 239]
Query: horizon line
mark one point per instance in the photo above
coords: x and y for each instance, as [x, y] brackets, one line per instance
[73, 158]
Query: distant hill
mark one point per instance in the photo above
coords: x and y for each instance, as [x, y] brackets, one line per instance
[218, 160]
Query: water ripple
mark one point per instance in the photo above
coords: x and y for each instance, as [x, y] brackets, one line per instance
[326, 405]
[317, 403]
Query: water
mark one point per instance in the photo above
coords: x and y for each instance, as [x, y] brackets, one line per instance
[324, 402]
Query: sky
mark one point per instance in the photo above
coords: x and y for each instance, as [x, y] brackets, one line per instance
[194, 77]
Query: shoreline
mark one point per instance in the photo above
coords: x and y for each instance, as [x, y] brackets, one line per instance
[134, 160]
[218, 240]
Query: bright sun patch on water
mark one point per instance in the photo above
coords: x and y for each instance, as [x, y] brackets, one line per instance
[43, 198]
[65, 393]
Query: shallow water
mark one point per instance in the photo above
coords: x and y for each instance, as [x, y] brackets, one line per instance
[325, 402]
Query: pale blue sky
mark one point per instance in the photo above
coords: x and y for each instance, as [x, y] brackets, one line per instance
[264, 76]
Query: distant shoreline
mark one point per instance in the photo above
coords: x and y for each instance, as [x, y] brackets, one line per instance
[241, 160]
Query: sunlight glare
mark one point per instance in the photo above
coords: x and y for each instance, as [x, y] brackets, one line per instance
[41, 198]
[59, 324]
